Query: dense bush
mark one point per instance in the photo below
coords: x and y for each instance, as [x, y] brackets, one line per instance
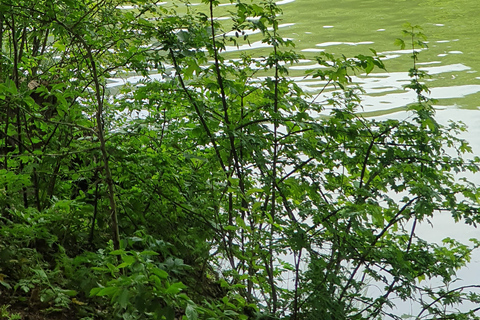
[213, 188]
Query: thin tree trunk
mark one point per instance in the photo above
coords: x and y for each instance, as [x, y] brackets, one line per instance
[101, 138]
[36, 190]
[274, 294]
[16, 79]
[94, 218]
[1, 43]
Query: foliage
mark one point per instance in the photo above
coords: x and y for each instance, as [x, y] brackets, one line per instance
[211, 188]
[5, 314]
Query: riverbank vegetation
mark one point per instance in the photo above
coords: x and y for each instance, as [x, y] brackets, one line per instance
[206, 188]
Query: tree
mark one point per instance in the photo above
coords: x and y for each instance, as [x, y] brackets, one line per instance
[212, 176]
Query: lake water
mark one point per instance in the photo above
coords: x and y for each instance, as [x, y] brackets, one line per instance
[351, 27]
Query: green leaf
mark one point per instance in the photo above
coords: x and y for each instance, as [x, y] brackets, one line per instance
[254, 190]
[59, 46]
[70, 293]
[240, 222]
[256, 206]
[11, 87]
[162, 274]
[5, 284]
[191, 313]
[421, 278]
[123, 298]
[135, 239]
[94, 291]
[175, 288]
[107, 291]
[399, 43]
[149, 253]
[370, 66]
[127, 261]
[112, 269]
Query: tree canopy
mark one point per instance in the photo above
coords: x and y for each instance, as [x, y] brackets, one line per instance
[146, 175]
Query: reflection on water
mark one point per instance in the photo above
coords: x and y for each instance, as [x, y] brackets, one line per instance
[443, 225]
[327, 44]
[451, 59]
[352, 27]
[384, 91]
